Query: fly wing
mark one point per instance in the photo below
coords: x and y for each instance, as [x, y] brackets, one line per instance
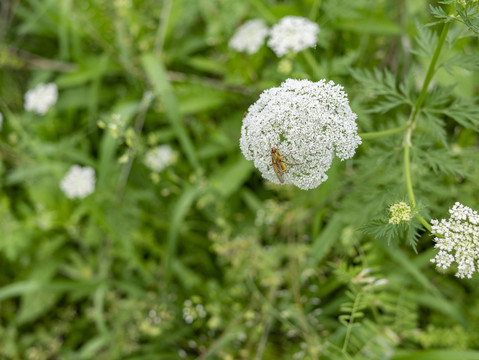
[278, 170]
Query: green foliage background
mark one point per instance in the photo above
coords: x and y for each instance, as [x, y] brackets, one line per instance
[206, 260]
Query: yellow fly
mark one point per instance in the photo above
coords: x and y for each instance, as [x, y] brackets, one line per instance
[278, 164]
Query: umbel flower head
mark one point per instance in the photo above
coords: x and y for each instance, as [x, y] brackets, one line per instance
[79, 182]
[308, 123]
[400, 212]
[249, 37]
[459, 241]
[159, 157]
[293, 33]
[41, 98]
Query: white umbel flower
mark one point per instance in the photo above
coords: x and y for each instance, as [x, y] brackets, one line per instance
[249, 37]
[41, 98]
[459, 242]
[79, 182]
[308, 122]
[293, 33]
[159, 157]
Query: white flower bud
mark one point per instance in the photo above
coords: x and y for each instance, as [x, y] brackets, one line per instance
[400, 212]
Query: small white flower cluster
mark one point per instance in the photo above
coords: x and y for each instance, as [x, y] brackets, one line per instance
[191, 312]
[41, 98]
[159, 157]
[79, 182]
[308, 122]
[399, 212]
[249, 37]
[291, 33]
[459, 241]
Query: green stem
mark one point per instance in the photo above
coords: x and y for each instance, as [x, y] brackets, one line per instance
[264, 11]
[308, 56]
[351, 321]
[415, 111]
[163, 26]
[430, 72]
[407, 171]
[424, 222]
[378, 134]
[314, 10]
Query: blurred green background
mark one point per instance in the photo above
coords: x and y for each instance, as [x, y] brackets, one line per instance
[205, 260]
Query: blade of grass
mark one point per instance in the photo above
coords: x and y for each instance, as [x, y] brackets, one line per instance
[327, 237]
[180, 210]
[26, 287]
[157, 76]
[228, 179]
[439, 355]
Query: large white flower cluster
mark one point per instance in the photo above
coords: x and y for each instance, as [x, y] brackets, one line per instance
[293, 33]
[41, 98]
[249, 37]
[79, 182]
[459, 241]
[308, 122]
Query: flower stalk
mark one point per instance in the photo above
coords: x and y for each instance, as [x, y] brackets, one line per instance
[413, 118]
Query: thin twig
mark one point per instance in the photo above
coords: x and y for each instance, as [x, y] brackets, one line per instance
[140, 120]
[39, 62]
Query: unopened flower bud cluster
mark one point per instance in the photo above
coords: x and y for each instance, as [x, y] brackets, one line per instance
[192, 310]
[308, 122]
[458, 240]
[290, 34]
[400, 212]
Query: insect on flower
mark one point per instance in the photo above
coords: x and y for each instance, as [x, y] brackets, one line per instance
[277, 163]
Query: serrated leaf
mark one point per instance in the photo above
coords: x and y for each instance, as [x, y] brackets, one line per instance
[426, 41]
[381, 83]
[465, 112]
[441, 161]
[433, 125]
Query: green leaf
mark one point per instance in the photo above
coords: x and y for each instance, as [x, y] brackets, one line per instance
[465, 112]
[322, 245]
[441, 161]
[381, 84]
[446, 354]
[369, 24]
[229, 178]
[179, 212]
[35, 304]
[426, 41]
